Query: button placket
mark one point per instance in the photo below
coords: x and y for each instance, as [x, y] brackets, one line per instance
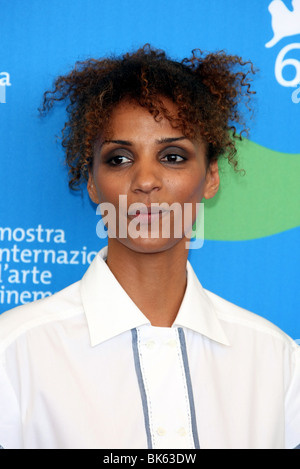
[161, 362]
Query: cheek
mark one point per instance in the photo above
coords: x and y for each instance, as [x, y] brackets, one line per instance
[190, 188]
[109, 188]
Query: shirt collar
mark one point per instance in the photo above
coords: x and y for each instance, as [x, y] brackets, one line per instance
[197, 312]
[110, 311]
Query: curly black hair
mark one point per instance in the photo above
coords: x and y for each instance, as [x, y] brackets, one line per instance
[207, 90]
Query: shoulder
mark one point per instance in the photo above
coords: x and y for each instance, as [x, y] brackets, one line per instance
[61, 305]
[236, 317]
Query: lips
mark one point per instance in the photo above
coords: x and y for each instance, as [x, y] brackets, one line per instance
[147, 214]
[137, 209]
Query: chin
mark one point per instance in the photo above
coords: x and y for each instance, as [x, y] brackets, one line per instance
[150, 245]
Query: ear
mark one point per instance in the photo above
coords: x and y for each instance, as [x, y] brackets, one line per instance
[92, 189]
[212, 180]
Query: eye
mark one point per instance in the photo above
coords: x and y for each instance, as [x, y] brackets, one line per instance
[118, 160]
[173, 158]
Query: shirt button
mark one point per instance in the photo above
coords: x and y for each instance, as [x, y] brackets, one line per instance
[172, 343]
[150, 344]
[161, 431]
[182, 431]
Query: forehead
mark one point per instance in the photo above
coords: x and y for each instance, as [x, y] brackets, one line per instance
[130, 116]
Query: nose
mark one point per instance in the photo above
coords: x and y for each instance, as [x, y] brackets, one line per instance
[146, 177]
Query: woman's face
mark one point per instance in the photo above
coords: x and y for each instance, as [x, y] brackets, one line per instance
[154, 165]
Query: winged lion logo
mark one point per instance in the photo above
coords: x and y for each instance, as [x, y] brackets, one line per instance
[284, 21]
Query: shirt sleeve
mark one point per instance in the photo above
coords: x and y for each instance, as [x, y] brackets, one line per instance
[10, 422]
[292, 410]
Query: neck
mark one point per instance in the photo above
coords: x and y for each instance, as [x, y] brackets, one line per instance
[155, 282]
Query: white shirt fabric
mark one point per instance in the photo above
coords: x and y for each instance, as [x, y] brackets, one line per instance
[84, 368]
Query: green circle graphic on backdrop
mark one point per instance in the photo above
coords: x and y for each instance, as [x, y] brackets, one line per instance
[262, 202]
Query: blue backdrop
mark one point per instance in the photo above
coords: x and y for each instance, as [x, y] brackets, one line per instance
[48, 234]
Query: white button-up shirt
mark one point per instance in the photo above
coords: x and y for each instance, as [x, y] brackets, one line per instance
[85, 369]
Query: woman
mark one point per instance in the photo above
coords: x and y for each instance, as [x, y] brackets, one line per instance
[137, 354]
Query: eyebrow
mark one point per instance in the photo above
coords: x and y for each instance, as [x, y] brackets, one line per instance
[170, 140]
[119, 142]
[160, 141]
